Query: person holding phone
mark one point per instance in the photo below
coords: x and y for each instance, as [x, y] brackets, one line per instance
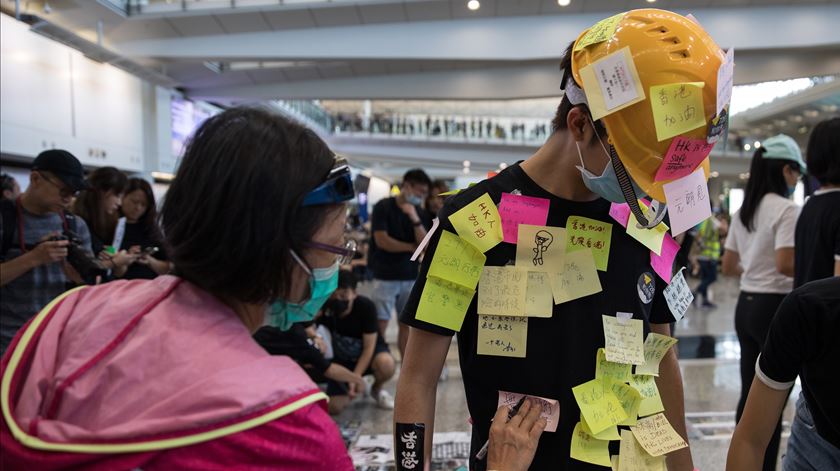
[142, 234]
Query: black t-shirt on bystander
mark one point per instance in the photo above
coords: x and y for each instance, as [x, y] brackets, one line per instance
[817, 237]
[561, 350]
[359, 321]
[137, 235]
[387, 216]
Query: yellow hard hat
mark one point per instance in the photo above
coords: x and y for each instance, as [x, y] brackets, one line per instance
[666, 48]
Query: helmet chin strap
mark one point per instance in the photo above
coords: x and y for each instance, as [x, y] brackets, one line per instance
[630, 195]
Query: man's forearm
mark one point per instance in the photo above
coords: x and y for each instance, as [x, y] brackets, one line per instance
[14, 268]
[365, 358]
[419, 233]
[671, 389]
[415, 403]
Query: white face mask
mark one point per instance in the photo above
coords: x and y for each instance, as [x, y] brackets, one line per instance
[606, 185]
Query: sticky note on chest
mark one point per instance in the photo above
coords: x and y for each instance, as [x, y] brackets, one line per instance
[677, 108]
[656, 435]
[479, 223]
[504, 336]
[608, 370]
[623, 340]
[541, 248]
[591, 234]
[539, 301]
[632, 457]
[549, 408]
[444, 303]
[656, 346]
[501, 291]
[578, 279]
[630, 400]
[651, 400]
[650, 238]
[586, 448]
[457, 261]
[517, 209]
[598, 405]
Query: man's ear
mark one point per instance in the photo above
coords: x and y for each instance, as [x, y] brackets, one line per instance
[577, 123]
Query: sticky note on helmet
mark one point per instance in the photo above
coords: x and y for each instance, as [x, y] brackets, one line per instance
[611, 83]
[677, 108]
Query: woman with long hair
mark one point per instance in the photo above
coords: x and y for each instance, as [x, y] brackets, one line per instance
[142, 234]
[759, 248]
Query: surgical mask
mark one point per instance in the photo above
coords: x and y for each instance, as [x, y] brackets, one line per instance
[322, 283]
[606, 186]
[413, 200]
[791, 190]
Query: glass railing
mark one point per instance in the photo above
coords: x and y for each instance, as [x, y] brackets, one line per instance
[307, 110]
[140, 7]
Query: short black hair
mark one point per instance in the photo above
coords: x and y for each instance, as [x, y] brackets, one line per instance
[418, 176]
[559, 123]
[823, 154]
[233, 214]
[347, 280]
[7, 182]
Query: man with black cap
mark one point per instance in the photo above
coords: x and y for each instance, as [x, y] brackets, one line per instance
[33, 269]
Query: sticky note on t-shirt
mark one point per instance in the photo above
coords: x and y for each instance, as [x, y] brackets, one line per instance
[663, 264]
[677, 108]
[630, 400]
[457, 261]
[656, 346]
[650, 238]
[539, 301]
[549, 408]
[578, 279]
[651, 400]
[688, 201]
[504, 336]
[586, 448]
[517, 209]
[444, 303]
[501, 291]
[592, 234]
[620, 212]
[541, 248]
[632, 457]
[623, 340]
[609, 370]
[600, 31]
[611, 83]
[678, 295]
[598, 405]
[683, 156]
[479, 223]
[609, 433]
[725, 74]
[656, 435]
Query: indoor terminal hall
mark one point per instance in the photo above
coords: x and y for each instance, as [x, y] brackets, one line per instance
[420, 235]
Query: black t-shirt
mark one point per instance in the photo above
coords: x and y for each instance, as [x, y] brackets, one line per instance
[359, 321]
[803, 341]
[817, 238]
[293, 344]
[561, 350]
[137, 235]
[388, 217]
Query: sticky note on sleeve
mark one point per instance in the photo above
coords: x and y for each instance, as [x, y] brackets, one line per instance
[623, 340]
[578, 279]
[630, 400]
[479, 223]
[677, 108]
[457, 261]
[678, 295]
[503, 336]
[592, 234]
[586, 448]
[444, 303]
[611, 83]
[656, 435]
[517, 209]
[609, 433]
[656, 346]
[651, 400]
[688, 201]
[598, 405]
[502, 290]
[663, 264]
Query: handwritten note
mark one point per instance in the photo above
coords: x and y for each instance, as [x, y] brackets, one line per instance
[688, 201]
[609, 433]
[541, 248]
[608, 370]
[598, 405]
[479, 223]
[517, 209]
[444, 303]
[600, 31]
[683, 156]
[678, 295]
[579, 277]
[539, 301]
[501, 291]
[677, 108]
[630, 400]
[549, 408]
[632, 457]
[592, 234]
[656, 346]
[457, 261]
[650, 238]
[503, 336]
[651, 400]
[611, 83]
[589, 449]
[623, 340]
[663, 264]
[725, 74]
[620, 212]
[656, 435]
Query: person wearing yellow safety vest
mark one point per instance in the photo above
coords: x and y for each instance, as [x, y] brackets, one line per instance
[708, 239]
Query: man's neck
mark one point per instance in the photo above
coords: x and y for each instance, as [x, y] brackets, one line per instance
[30, 204]
[553, 168]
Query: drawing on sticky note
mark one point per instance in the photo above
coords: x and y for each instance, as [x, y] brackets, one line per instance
[543, 240]
[537, 249]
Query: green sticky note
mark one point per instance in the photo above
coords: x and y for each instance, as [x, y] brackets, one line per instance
[479, 223]
[656, 346]
[457, 261]
[609, 433]
[677, 108]
[651, 401]
[444, 303]
[598, 405]
[591, 234]
[600, 32]
[630, 400]
[605, 369]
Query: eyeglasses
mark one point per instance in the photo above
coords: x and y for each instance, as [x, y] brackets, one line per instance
[63, 190]
[345, 254]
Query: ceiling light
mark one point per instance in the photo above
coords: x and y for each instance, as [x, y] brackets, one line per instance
[502, 165]
[651, 1]
[564, 3]
[714, 174]
[756, 144]
[466, 163]
[747, 147]
[473, 5]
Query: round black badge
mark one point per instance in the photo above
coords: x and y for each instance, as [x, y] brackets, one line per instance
[646, 287]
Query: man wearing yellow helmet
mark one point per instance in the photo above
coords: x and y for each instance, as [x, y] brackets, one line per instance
[600, 151]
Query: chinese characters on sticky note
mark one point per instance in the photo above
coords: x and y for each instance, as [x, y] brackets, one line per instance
[611, 83]
[579, 277]
[504, 336]
[598, 405]
[444, 303]
[517, 209]
[549, 408]
[457, 261]
[678, 295]
[623, 340]
[688, 201]
[677, 108]
[656, 346]
[588, 449]
[501, 291]
[588, 233]
[479, 223]
[600, 31]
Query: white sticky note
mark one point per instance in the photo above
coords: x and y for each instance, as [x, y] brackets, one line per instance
[688, 201]
[725, 74]
[612, 83]
[624, 340]
[678, 295]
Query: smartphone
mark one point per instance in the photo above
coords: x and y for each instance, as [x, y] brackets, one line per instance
[151, 250]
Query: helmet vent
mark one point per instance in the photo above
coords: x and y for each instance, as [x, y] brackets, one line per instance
[657, 30]
[672, 40]
[681, 54]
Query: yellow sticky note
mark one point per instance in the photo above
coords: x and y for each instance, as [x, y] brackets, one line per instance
[651, 400]
[656, 346]
[588, 449]
[479, 223]
[457, 261]
[579, 277]
[609, 433]
[598, 405]
[501, 291]
[539, 302]
[630, 400]
[632, 457]
[611, 83]
[504, 336]
[600, 31]
[592, 234]
[656, 435]
[540, 248]
[623, 340]
[650, 238]
[444, 303]
[677, 108]
[605, 369]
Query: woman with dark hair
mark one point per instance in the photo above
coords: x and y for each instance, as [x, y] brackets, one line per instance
[142, 235]
[759, 248]
[99, 206]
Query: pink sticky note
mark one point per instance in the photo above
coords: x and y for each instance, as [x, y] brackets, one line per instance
[688, 201]
[518, 209]
[620, 212]
[550, 407]
[662, 264]
[683, 156]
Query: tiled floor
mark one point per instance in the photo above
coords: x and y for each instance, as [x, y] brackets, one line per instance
[712, 385]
